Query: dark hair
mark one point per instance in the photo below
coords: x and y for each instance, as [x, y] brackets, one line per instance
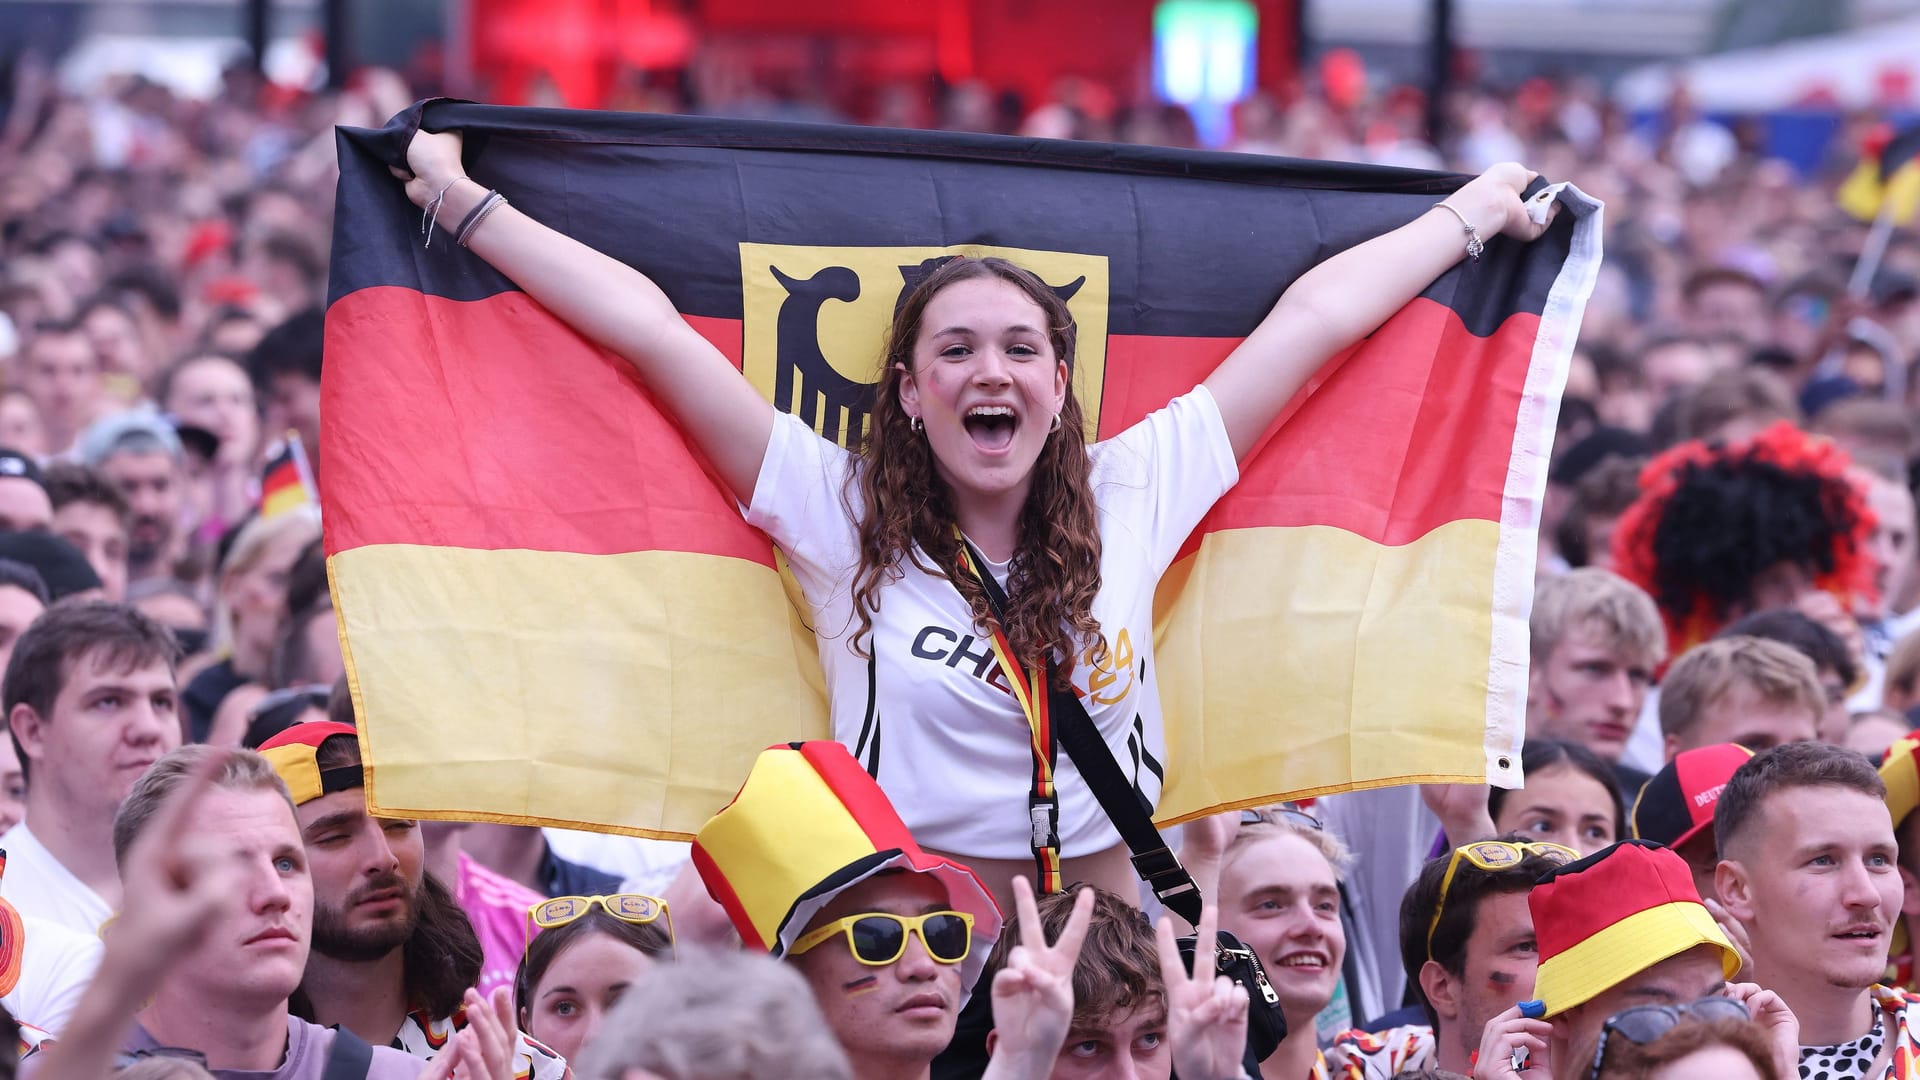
[292, 348]
[121, 637]
[307, 578]
[340, 704]
[292, 661]
[163, 383]
[546, 947]
[1701, 280]
[72, 482]
[908, 509]
[1804, 635]
[1461, 914]
[443, 955]
[1537, 755]
[1606, 490]
[25, 578]
[1119, 965]
[1785, 767]
[151, 284]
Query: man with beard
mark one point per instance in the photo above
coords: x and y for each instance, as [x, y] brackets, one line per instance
[393, 955]
[1809, 864]
[141, 454]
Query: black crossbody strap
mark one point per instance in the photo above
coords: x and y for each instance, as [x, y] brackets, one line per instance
[349, 1058]
[1073, 729]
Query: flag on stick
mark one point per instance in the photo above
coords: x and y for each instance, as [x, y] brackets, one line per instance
[286, 482]
[1887, 180]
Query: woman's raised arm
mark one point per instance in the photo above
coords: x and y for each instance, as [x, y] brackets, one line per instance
[1349, 296]
[611, 304]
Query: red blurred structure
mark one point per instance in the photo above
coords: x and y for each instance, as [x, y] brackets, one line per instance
[843, 52]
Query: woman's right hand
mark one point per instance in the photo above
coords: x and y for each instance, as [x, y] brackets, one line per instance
[434, 159]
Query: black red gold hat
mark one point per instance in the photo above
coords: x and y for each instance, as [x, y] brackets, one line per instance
[295, 755]
[1614, 914]
[808, 824]
[1677, 804]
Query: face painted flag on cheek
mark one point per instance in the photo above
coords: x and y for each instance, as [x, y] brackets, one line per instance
[554, 613]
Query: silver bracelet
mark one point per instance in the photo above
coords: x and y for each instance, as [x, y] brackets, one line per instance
[1474, 247]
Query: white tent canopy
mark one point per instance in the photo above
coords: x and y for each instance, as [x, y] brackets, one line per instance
[1873, 67]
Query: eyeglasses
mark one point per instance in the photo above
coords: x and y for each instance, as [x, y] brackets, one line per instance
[1492, 855]
[1274, 815]
[632, 908]
[1644, 1023]
[878, 938]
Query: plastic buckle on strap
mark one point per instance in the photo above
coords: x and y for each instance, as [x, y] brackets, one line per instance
[1044, 815]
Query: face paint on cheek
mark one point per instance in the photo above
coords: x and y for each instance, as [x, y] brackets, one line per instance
[1500, 981]
[865, 985]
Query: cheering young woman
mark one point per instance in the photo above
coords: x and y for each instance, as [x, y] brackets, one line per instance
[974, 462]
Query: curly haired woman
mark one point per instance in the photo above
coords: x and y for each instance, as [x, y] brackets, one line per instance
[976, 433]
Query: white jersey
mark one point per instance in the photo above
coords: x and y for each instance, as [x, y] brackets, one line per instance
[930, 715]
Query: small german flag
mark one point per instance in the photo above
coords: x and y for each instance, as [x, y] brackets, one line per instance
[1887, 180]
[286, 483]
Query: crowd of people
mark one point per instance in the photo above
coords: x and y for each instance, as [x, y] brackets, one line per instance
[1708, 871]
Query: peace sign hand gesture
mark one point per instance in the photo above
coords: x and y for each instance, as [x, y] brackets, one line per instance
[1206, 1014]
[1033, 993]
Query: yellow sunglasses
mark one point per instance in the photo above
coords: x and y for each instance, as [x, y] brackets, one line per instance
[878, 938]
[1492, 855]
[627, 907]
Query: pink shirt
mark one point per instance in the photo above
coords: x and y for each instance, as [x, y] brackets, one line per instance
[497, 907]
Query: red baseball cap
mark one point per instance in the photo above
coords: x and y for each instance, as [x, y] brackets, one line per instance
[1677, 804]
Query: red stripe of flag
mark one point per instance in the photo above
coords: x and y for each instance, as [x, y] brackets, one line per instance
[531, 438]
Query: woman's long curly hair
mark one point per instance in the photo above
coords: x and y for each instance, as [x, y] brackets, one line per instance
[1056, 564]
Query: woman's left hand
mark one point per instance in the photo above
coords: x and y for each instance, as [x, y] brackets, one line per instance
[1491, 201]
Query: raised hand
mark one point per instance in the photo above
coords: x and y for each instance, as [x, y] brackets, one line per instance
[1033, 993]
[1736, 932]
[176, 886]
[485, 1049]
[1771, 1013]
[1510, 1041]
[433, 162]
[1206, 1014]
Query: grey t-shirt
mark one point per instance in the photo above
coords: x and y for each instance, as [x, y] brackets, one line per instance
[307, 1049]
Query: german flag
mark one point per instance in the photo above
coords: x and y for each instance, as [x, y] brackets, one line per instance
[286, 482]
[1887, 178]
[554, 614]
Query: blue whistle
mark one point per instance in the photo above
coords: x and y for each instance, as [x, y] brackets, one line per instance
[1533, 1010]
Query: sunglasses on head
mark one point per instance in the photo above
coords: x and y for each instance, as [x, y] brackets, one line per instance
[1275, 815]
[1492, 855]
[632, 908]
[878, 938]
[1642, 1024]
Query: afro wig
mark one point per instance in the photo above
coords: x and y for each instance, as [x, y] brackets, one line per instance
[1712, 518]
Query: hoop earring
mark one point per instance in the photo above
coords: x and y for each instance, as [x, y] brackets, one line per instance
[915, 425]
[1056, 424]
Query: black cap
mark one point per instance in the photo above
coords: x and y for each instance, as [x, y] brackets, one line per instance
[15, 463]
[65, 570]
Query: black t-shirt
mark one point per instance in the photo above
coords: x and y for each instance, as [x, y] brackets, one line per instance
[203, 696]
